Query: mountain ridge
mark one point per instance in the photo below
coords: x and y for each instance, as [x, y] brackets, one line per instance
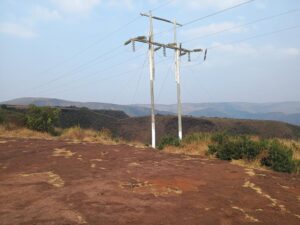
[278, 111]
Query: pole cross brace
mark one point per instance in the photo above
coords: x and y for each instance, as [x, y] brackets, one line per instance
[143, 39]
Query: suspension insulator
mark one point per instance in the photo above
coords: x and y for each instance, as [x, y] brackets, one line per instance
[133, 46]
[189, 56]
[165, 52]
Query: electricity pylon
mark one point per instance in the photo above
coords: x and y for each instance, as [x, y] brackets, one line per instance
[177, 79]
[179, 51]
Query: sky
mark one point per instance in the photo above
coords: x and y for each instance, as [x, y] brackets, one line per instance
[74, 50]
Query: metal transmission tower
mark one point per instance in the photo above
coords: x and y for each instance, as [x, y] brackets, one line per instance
[179, 51]
[151, 44]
[177, 79]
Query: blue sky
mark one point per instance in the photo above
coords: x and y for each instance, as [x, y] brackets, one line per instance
[65, 49]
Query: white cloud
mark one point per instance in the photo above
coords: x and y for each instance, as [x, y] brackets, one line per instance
[292, 51]
[23, 27]
[201, 4]
[76, 6]
[247, 50]
[42, 13]
[127, 4]
[213, 28]
[239, 55]
[15, 29]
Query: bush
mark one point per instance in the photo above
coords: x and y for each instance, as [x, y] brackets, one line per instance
[220, 138]
[296, 166]
[42, 118]
[280, 158]
[168, 141]
[196, 138]
[4, 106]
[228, 148]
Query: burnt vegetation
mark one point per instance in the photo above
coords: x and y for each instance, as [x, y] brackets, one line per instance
[226, 139]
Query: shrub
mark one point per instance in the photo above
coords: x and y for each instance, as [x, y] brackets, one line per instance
[228, 148]
[196, 138]
[280, 158]
[227, 151]
[42, 118]
[249, 149]
[167, 141]
[4, 106]
[296, 166]
[220, 138]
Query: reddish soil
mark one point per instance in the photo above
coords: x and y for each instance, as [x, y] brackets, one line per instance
[61, 183]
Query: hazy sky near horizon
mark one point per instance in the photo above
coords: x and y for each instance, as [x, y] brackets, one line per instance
[73, 49]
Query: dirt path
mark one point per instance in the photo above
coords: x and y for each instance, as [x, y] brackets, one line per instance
[61, 183]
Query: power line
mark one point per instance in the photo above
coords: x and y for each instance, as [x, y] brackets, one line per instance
[97, 42]
[103, 38]
[91, 45]
[103, 79]
[107, 69]
[202, 88]
[207, 16]
[107, 36]
[242, 25]
[69, 73]
[139, 80]
[217, 12]
[164, 81]
[162, 5]
[258, 36]
[128, 81]
[80, 68]
[124, 87]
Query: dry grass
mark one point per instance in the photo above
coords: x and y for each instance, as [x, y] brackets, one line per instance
[197, 144]
[103, 136]
[193, 144]
[19, 132]
[73, 134]
[49, 177]
[294, 145]
[135, 144]
[255, 164]
[199, 148]
[62, 152]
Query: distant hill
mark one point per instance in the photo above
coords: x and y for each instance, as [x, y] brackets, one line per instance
[288, 112]
[128, 109]
[138, 128]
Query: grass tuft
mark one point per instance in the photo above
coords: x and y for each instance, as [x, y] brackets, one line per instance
[11, 131]
[103, 136]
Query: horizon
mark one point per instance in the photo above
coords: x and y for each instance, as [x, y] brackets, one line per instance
[260, 103]
[59, 49]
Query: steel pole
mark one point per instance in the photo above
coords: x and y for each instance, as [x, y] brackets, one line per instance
[177, 78]
[152, 77]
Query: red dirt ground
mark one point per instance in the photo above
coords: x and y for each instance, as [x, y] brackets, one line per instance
[64, 183]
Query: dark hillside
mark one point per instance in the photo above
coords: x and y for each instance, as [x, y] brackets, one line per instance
[94, 119]
[139, 128]
[69, 117]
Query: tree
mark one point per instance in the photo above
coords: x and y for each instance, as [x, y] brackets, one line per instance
[42, 118]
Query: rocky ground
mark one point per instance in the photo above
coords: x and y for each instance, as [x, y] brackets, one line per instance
[65, 183]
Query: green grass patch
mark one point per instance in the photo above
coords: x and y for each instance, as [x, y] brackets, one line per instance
[168, 141]
[270, 153]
